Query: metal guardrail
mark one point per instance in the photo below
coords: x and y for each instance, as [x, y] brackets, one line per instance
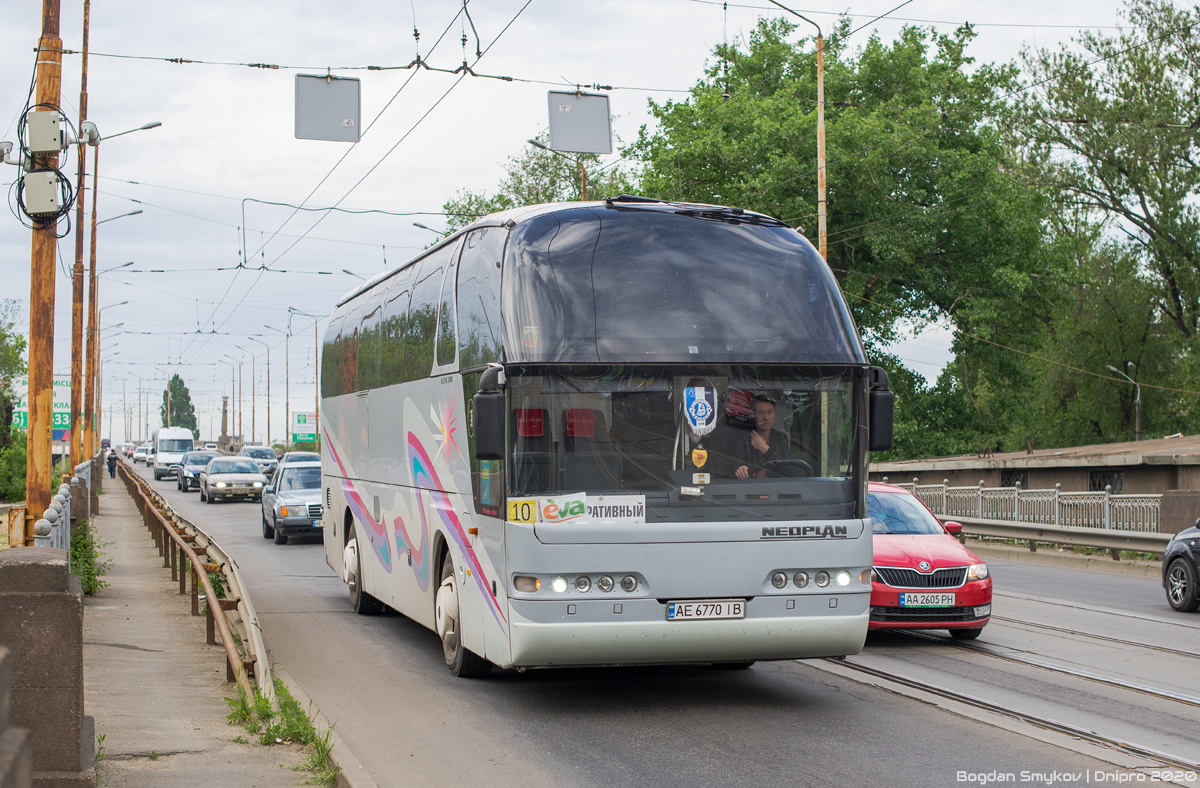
[183, 547]
[1104, 538]
[1089, 510]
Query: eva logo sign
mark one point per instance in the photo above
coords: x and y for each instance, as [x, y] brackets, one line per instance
[562, 508]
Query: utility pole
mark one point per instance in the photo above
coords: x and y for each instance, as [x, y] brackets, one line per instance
[822, 204]
[125, 410]
[317, 383]
[93, 341]
[76, 424]
[41, 296]
[287, 396]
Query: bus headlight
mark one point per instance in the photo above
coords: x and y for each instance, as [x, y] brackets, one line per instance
[800, 579]
[779, 579]
[866, 576]
[822, 579]
[842, 578]
[559, 584]
[977, 572]
[526, 584]
[605, 584]
[583, 584]
[629, 583]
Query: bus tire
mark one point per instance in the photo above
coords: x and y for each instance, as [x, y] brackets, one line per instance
[363, 603]
[461, 661]
[733, 665]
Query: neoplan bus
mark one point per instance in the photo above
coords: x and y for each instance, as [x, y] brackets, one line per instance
[620, 432]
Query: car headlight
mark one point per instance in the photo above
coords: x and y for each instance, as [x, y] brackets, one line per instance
[258, 484]
[220, 484]
[977, 572]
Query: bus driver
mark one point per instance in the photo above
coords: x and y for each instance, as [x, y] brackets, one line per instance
[765, 447]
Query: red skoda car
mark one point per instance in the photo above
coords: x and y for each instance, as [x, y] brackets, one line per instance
[922, 577]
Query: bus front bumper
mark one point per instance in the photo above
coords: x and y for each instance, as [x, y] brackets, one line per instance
[636, 631]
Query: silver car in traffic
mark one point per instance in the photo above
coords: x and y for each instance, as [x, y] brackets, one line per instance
[229, 478]
[291, 502]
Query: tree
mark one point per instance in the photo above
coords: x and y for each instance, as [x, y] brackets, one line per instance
[12, 364]
[534, 176]
[182, 413]
[1114, 127]
[929, 216]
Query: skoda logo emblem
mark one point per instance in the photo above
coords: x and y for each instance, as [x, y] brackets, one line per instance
[924, 566]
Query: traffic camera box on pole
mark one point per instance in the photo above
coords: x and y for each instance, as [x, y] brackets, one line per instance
[41, 193]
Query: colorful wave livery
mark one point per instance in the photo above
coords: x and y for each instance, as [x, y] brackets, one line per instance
[423, 469]
[381, 546]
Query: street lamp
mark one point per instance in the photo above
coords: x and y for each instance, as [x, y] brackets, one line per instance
[579, 161]
[268, 430]
[1137, 399]
[77, 371]
[287, 382]
[119, 216]
[241, 435]
[316, 371]
[426, 227]
[115, 267]
[821, 202]
[232, 393]
[348, 271]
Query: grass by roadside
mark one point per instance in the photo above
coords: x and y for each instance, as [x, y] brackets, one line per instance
[287, 723]
[87, 558]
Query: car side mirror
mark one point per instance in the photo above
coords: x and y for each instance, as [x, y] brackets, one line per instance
[952, 528]
[269, 489]
[488, 414]
[881, 409]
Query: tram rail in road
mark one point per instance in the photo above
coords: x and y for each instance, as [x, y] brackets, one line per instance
[1129, 748]
[1094, 609]
[979, 648]
[1094, 636]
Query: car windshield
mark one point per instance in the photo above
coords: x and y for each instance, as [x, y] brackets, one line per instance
[199, 458]
[175, 444]
[232, 466]
[259, 454]
[900, 513]
[303, 456]
[695, 443]
[300, 479]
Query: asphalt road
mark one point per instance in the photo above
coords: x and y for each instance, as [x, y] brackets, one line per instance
[411, 723]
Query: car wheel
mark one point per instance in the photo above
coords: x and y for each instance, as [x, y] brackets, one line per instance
[280, 536]
[462, 662]
[363, 603]
[209, 499]
[268, 531]
[966, 634]
[733, 665]
[203, 497]
[1181, 586]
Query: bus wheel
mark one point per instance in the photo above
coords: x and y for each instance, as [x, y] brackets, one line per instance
[363, 603]
[462, 663]
[733, 665]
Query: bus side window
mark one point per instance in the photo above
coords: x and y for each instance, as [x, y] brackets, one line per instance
[487, 476]
[395, 320]
[331, 357]
[422, 313]
[479, 297]
[368, 351]
[447, 343]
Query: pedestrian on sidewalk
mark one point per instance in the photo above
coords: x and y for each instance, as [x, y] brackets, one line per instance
[112, 464]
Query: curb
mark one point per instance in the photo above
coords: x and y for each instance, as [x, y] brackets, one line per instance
[352, 774]
[1150, 569]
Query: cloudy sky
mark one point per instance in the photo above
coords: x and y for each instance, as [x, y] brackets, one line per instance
[226, 147]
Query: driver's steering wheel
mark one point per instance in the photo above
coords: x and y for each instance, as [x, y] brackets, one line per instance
[791, 462]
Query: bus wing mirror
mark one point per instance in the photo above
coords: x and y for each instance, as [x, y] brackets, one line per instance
[882, 405]
[488, 415]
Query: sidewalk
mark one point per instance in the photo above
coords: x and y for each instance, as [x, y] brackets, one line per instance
[155, 689]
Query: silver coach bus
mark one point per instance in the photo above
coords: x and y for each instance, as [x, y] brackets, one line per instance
[619, 432]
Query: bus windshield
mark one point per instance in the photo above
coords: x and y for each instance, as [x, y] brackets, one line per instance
[701, 442]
